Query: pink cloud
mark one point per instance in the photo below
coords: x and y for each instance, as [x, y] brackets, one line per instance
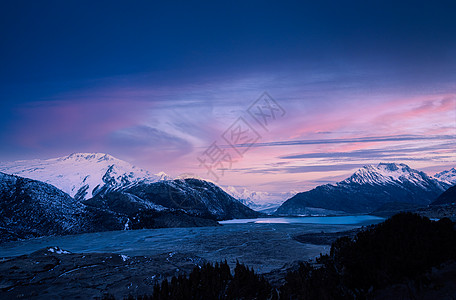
[81, 121]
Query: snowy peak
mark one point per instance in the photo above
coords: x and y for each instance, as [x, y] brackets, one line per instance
[397, 171]
[246, 196]
[448, 176]
[257, 200]
[368, 189]
[81, 175]
[94, 157]
[163, 176]
[392, 167]
[385, 173]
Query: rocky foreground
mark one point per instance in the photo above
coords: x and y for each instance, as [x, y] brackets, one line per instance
[53, 273]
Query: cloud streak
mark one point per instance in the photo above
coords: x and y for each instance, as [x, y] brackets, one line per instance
[398, 138]
[306, 169]
[324, 134]
[379, 153]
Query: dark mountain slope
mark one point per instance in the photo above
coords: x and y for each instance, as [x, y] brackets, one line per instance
[30, 208]
[195, 197]
[367, 189]
[447, 197]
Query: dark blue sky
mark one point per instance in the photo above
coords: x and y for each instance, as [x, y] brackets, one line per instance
[67, 41]
[171, 77]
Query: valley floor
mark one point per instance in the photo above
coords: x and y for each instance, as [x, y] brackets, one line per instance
[262, 246]
[152, 255]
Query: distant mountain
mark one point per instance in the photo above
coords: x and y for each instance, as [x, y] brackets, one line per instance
[81, 175]
[259, 201]
[447, 197]
[366, 190]
[448, 176]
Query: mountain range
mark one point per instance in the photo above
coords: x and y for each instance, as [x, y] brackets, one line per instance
[368, 189]
[448, 176]
[87, 192]
[260, 201]
[81, 175]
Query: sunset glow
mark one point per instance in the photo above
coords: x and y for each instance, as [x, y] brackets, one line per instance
[373, 94]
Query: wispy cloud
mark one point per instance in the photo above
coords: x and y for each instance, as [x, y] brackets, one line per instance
[305, 169]
[379, 153]
[333, 124]
[397, 138]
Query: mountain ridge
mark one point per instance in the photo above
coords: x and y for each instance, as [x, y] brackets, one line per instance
[448, 176]
[446, 198]
[31, 208]
[366, 190]
[81, 175]
[120, 198]
[256, 200]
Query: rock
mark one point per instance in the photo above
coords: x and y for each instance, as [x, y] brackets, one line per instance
[53, 273]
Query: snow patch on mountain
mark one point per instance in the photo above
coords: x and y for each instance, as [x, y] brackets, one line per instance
[81, 175]
[448, 176]
[387, 173]
[368, 189]
[259, 201]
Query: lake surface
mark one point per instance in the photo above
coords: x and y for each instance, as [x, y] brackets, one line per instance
[324, 220]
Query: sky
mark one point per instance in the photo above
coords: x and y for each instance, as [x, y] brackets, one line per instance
[272, 96]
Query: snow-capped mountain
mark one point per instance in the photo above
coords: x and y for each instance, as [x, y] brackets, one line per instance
[448, 176]
[81, 175]
[387, 173]
[259, 201]
[108, 194]
[31, 208]
[367, 189]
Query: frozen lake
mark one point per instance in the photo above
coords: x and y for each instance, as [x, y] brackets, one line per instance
[331, 220]
[261, 244]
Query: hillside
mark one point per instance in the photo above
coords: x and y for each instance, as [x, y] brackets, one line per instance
[368, 189]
